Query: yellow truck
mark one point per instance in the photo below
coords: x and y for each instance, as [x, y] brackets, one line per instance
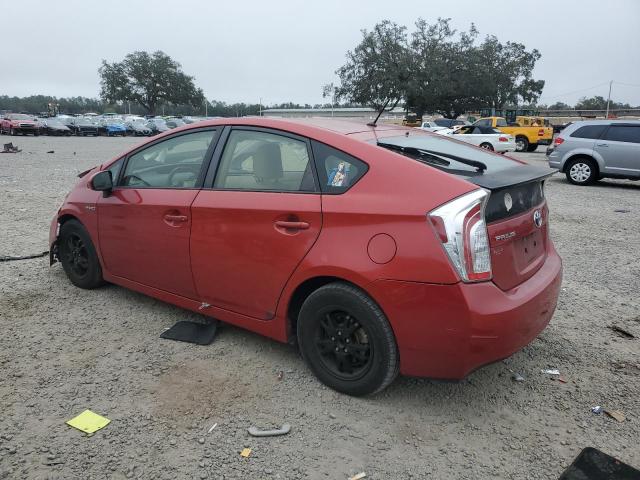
[527, 137]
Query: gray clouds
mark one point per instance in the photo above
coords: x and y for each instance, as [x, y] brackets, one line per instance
[286, 50]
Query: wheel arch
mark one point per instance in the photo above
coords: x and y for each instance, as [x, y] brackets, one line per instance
[302, 292]
[578, 156]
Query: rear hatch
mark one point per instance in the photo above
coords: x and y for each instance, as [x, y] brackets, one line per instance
[517, 223]
[516, 212]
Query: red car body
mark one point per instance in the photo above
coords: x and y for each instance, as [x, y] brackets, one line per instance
[227, 257]
[14, 123]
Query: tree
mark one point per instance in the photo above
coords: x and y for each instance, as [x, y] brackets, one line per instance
[377, 70]
[506, 72]
[148, 80]
[599, 103]
[443, 75]
[558, 106]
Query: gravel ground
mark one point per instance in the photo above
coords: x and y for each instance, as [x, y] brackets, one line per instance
[63, 350]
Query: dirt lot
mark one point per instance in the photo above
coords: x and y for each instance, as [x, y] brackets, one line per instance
[63, 350]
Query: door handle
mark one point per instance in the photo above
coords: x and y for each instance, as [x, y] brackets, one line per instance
[601, 145]
[176, 218]
[292, 225]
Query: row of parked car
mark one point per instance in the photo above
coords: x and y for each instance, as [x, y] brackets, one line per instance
[109, 125]
[495, 134]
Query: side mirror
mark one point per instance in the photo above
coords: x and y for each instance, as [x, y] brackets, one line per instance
[102, 182]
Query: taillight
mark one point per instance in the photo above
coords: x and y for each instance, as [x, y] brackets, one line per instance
[461, 227]
[503, 139]
[558, 140]
[541, 132]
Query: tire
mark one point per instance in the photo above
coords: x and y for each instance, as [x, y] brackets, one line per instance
[341, 316]
[12, 132]
[487, 146]
[581, 171]
[532, 147]
[78, 256]
[522, 144]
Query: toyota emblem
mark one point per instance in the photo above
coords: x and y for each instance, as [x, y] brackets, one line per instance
[537, 218]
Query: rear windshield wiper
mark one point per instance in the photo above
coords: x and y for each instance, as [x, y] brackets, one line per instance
[421, 153]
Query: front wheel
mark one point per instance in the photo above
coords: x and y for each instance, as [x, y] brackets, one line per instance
[581, 171]
[532, 147]
[346, 340]
[78, 256]
[522, 144]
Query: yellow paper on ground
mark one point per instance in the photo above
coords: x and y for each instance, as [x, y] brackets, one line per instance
[245, 452]
[89, 422]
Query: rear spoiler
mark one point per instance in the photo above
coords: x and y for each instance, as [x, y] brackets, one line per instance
[511, 177]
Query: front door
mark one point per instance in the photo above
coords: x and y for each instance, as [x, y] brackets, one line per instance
[144, 225]
[252, 229]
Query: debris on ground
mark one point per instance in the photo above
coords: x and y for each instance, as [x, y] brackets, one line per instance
[89, 422]
[212, 427]
[622, 210]
[245, 452]
[10, 148]
[51, 151]
[280, 375]
[517, 377]
[358, 476]
[623, 332]
[255, 432]
[24, 257]
[551, 371]
[597, 409]
[615, 414]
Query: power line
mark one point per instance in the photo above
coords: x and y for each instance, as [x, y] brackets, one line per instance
[627, 84]
[575, 91]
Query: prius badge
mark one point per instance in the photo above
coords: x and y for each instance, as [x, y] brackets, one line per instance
[537, 218]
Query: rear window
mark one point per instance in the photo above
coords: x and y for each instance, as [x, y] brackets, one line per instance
[623, 133]
[589, 131]
[447, 146]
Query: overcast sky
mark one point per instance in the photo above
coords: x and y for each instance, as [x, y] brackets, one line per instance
[285, 50]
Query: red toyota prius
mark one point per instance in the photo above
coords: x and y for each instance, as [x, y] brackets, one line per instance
[378, 249]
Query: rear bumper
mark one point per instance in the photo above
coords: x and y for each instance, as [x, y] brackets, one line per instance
[447, 331]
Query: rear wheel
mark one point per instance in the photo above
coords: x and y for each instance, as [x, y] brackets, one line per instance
[347, 341]
[581, 171]
[522, 144]
[532, 147]
[78, 256]
[487, 146]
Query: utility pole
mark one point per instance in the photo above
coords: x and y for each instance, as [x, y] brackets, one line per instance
[260, 106]
[608, 100]
[206, 107]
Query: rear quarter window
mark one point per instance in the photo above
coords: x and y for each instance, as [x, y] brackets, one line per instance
[589, 131]
[337, 171]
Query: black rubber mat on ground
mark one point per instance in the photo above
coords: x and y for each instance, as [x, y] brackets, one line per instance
[592, 464]
[192, 332]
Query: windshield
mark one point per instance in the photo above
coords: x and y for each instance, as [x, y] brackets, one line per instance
[19, 116]
[446, 146]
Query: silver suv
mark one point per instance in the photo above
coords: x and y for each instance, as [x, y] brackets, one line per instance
[590, 150]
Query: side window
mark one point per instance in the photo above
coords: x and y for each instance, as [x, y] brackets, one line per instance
[172, 163]
[337, 170]
[483, 123]
[623, 133]
[589, 131]
[256, 160]
[500, 122]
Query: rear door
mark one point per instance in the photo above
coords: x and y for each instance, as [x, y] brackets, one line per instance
[620, 148]
[144, 225]
[257, 220]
